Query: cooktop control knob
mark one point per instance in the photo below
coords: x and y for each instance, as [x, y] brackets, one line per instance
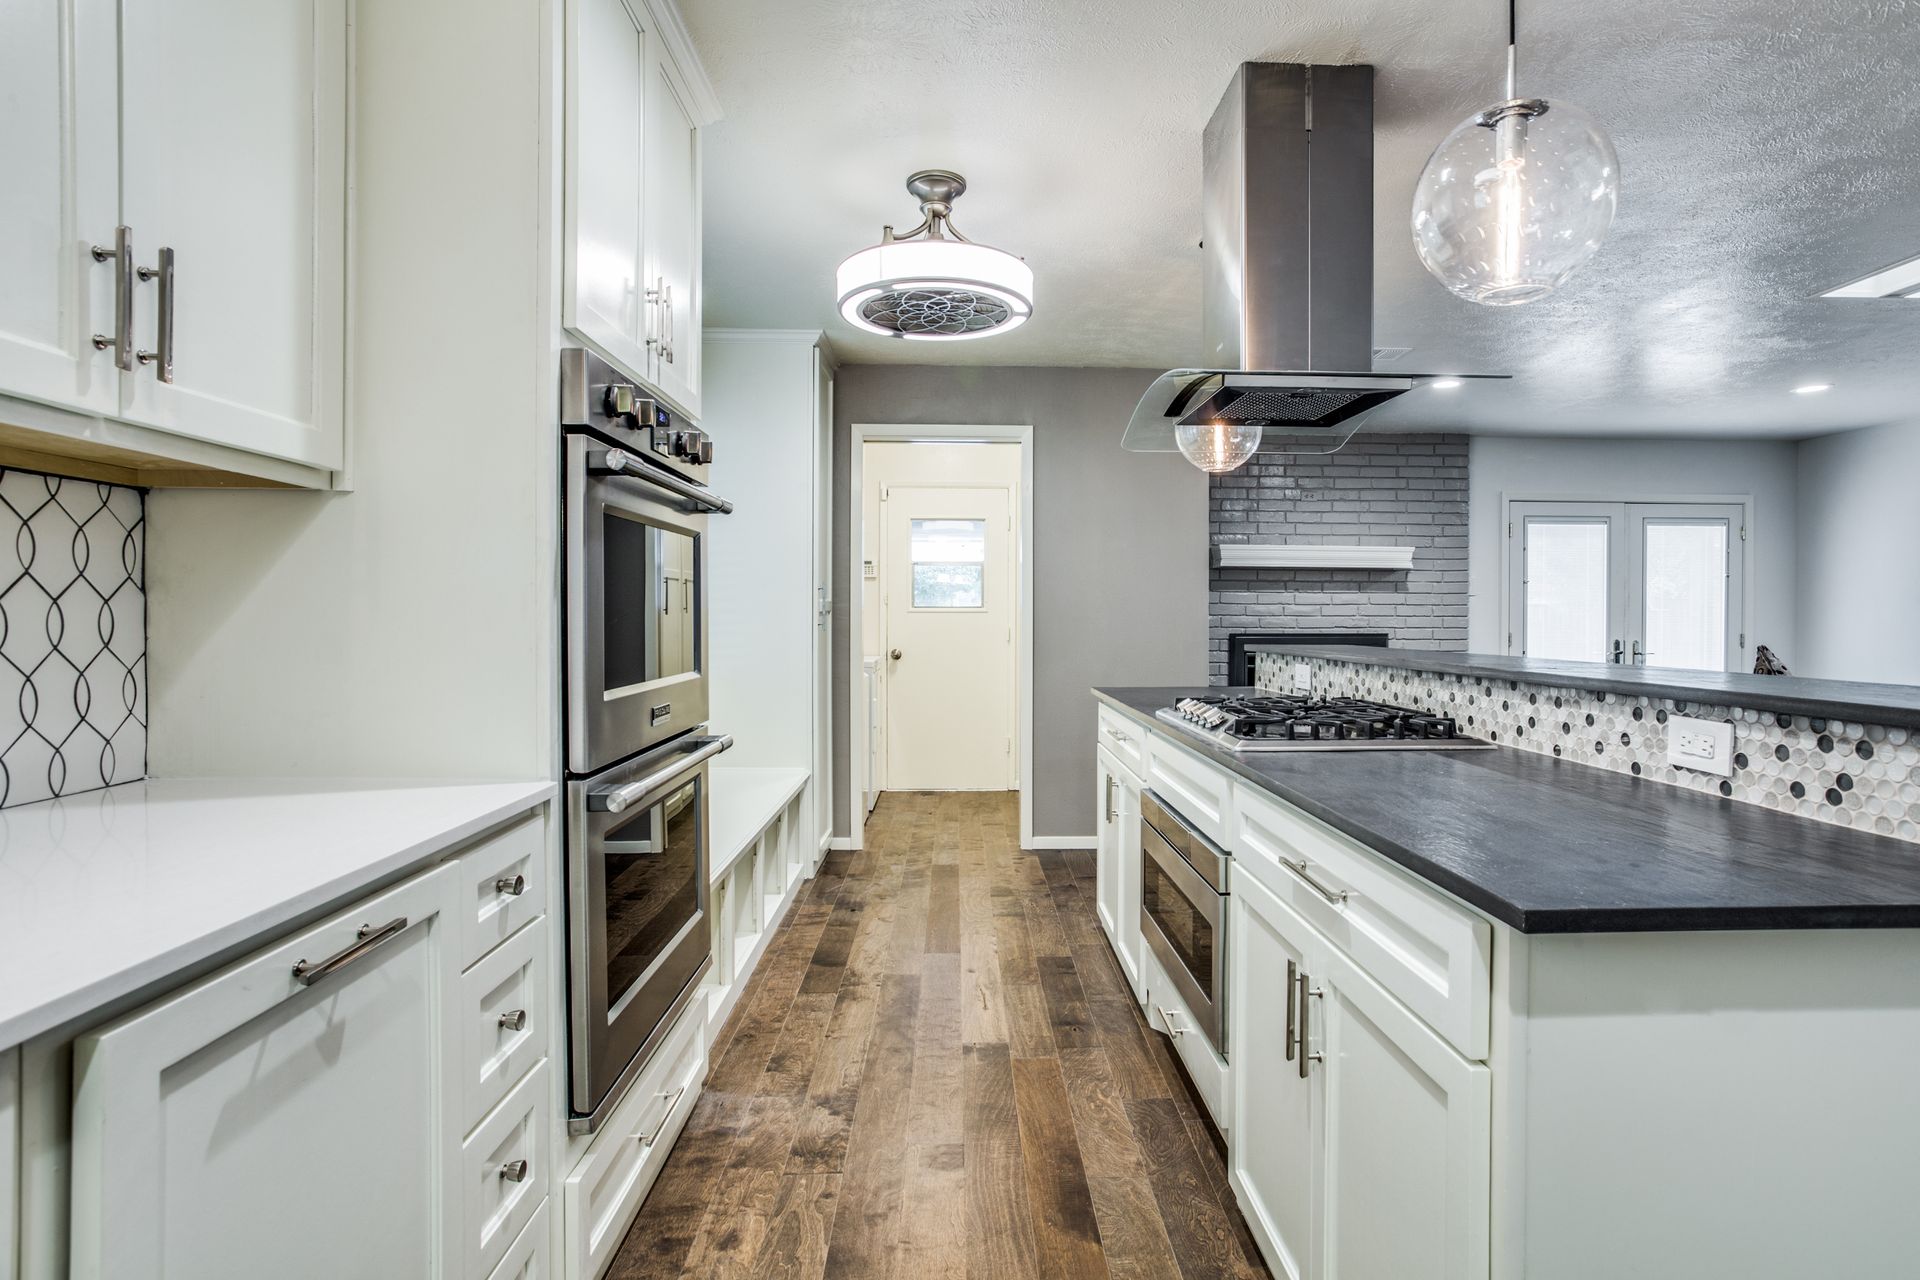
[619, 400]
[706, 448]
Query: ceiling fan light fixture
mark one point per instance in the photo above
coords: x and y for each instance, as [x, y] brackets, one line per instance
[933, 284]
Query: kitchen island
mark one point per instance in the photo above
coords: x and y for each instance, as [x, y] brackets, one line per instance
[1492, 1013]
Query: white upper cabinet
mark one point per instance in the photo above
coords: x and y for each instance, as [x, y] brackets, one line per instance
[233, 157]
[58, 200]
[216, 135]
[636, 100]
[673, 232]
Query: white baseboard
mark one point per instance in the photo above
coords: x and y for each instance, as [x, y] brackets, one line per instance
[826, 842]
[1063, 842]
[842, 843]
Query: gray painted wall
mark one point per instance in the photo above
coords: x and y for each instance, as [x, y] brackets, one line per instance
[1859, 587]
[1119, 551]
[1386, 490]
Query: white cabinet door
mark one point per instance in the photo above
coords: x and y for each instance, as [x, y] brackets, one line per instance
[59, 199]
[604, 294]
[1127, 872]
[9, 1162]
[1274, 1150]
[233, 156]
[673, 233]
[254, 1125]
[1107, 851]
[1408, 1139]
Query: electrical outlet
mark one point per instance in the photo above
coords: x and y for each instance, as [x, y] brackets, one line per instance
[1703, 745]
[1302, 678]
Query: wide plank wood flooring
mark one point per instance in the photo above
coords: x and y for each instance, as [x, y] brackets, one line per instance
[938, 1072]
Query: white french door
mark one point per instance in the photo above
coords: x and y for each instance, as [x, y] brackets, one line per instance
[1653, 583]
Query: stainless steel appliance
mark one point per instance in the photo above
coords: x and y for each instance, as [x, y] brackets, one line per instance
[1273, 722]
[634, 522]
[635, 517]
[639, 938]
[1183, 912]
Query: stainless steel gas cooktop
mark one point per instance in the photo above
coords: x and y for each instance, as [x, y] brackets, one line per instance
[1272, 722]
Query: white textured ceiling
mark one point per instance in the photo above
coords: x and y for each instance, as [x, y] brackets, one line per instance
[1769, 149]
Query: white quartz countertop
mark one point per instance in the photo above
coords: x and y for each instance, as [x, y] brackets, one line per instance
[109, 893]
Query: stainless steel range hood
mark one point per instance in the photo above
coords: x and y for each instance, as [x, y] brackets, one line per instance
[1287, 227]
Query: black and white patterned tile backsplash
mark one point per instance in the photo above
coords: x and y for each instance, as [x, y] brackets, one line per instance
[73, 636]
[1852, 775]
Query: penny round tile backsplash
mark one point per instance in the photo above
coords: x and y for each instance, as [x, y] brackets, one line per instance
[1852, 775]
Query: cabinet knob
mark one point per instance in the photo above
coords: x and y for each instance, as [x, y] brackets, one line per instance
[514, 1020]
[511, 886]
[515, 1170]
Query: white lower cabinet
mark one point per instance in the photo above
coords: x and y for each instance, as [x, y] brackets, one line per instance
[531, 1256]
[607, 1184]
[288, 1116]
[504, 1173]
[1361, 1140]
[1117, 863]
[9, 1163]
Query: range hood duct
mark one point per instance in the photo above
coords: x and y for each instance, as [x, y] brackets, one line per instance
[1287, 295]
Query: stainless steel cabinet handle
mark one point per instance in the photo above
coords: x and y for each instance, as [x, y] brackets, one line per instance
[1337, 897]
[1111, 815]
[1167, 1018]
[666, 309]
[514, 1020]
[366, 941]
[617, 799]
[515, 1170]
[164, 273]
[652, 325]
[121, 255]
[1300, 986]
[510, 886]
[1292, 1022]
[666, 1113]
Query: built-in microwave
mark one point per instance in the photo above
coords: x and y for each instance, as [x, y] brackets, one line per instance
[635, 525]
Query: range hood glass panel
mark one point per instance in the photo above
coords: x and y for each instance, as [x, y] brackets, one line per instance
[1313, 410]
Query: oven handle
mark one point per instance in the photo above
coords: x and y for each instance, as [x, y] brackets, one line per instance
[618, 462]
[616, 799]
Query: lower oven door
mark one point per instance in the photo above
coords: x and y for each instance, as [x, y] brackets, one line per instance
[1183, 919]
[639, 938]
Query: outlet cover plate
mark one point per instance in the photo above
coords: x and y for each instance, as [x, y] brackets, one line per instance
[1302, 678]
[1702, 745]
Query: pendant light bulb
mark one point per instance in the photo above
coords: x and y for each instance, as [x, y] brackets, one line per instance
[1217, 447]
[1515, 199]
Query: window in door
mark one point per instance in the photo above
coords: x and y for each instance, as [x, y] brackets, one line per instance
[949, 564]
[1658, 584]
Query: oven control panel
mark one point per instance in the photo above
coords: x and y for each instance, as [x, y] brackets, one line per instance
[593, 394]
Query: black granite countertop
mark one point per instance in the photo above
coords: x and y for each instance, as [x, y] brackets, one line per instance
[1888, 704]
[1550, 846]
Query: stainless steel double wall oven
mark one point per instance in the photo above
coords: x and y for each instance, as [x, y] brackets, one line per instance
[634, 519]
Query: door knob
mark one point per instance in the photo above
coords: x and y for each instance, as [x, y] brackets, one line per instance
[895, 655]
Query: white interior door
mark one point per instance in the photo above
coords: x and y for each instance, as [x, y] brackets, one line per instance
[950, 608]
[60, 197]
[1645, 583]
[233, 155]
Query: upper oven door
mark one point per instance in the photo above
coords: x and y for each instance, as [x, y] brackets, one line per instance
[636, 644]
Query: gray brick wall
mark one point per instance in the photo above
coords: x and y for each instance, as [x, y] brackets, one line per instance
[1377, 491]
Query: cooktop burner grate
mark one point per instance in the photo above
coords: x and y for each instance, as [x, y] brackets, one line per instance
[1276, 722]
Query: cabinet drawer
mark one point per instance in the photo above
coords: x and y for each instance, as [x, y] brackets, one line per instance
[503, 885]
[1125, 738]
[504, 1015]
[1168, 1013]
[504, 1167]
[1201, 790]
[605, 1189]
[1429, 952]
[531, 1256]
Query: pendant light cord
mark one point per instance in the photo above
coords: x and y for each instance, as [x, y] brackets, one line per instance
[1513, 38]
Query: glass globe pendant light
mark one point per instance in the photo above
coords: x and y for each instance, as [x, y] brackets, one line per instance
[1516, 198]
[933, 284]
[1216, 447]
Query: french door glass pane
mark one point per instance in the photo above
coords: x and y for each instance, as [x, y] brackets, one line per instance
[1566, 589]
[1686, 594]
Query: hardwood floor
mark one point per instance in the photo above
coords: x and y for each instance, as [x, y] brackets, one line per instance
[937, 1073]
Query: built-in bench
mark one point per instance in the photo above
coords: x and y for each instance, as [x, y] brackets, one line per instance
[759, 857]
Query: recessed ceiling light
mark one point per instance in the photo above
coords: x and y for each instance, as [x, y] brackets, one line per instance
[1444, 384]
[1812, 388]
[1901, 280]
